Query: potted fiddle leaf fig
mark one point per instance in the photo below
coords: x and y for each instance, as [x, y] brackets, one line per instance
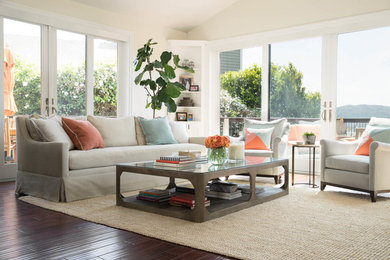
[309, 138]
[159, 81]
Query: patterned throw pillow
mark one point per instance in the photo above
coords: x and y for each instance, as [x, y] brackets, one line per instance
[258, 139]
[370, 135]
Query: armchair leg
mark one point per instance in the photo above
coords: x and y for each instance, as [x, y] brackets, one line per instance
[226, 178]
[323, 185]
[373, 195]
[278, 179]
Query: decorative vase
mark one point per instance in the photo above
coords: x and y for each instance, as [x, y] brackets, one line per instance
[218, 156]
[311, 139]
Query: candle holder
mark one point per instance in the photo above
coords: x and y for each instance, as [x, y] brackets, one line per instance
[236, 151]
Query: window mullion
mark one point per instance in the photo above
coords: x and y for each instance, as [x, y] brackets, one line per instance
[89, 80]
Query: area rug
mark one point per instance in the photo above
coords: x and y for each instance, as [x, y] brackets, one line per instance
[306, 224]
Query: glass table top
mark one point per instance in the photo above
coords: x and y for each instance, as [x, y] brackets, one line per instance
[205, 166]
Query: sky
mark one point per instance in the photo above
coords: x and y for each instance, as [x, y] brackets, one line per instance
[363, 64]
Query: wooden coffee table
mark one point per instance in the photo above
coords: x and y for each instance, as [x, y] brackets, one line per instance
[199, 176]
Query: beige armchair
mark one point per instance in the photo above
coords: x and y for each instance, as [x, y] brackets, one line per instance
[341, 168]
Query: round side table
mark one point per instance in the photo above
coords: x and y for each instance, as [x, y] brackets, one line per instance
[312, 162]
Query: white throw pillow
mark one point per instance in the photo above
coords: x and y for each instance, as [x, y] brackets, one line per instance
[115, 131]
[277, 124]
[179, 131]
[50, 130]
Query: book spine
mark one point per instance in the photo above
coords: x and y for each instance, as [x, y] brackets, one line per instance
[182, 200]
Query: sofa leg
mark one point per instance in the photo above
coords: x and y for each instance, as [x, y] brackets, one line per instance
[373, 196]
[323, 185]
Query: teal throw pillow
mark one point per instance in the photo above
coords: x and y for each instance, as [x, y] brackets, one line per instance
[157, 131]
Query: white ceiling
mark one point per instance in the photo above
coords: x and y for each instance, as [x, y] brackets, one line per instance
[177, 14]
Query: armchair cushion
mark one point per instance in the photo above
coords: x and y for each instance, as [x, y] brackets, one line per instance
[352, 163]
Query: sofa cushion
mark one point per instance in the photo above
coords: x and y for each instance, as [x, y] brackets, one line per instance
[50, 130]
[351, 163]
[115, 131]
[179, 131]
[157, 131]
[141, 140]
[83, 134]
[112, 155]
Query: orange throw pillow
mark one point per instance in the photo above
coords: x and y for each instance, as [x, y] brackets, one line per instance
[83, 134]
[254, 142]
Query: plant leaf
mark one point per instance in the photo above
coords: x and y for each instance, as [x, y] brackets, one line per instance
[172, 90]
[158, 64]
[171, 105]
[176, 60]
[164, 76]
[165, 57]
[179, 85]
[139, 78]
[170, 72]
[161, 82]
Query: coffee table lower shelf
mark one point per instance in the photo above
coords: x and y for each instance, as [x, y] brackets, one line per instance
[217, 208]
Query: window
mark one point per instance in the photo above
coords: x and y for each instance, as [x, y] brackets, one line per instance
[240, 93]
[22, 78]
[363, 86]
[295, 81]
[71, 73]
[105, 73]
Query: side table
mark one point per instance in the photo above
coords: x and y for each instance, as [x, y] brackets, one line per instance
[312, 162]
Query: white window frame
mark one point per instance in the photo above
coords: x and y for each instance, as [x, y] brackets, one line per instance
[328, 30]
[49, 23]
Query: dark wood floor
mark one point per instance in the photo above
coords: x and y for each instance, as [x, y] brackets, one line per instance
[30, 232]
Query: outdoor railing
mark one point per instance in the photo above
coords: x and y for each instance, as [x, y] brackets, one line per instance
[233, 126]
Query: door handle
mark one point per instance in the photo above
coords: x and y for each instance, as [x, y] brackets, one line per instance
[53, 110]
[330, 115]
[323, 115]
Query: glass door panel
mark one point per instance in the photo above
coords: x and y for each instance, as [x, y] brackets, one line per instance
[240, 93]
[105, 74]
[22, 78]
[295, 92]
[71, 89]
[363, 86]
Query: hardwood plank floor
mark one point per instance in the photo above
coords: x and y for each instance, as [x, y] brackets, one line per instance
[30, 232]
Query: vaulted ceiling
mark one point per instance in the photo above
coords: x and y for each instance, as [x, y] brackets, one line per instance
[182, 15]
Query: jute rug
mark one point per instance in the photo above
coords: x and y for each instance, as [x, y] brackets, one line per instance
[306, 224]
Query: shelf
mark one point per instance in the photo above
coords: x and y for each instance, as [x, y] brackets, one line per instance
[195, 107]
[190, 92]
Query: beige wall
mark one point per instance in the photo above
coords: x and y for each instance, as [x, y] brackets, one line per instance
[142, 32]
[252, 16]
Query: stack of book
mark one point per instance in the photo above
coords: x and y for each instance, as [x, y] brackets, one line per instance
[155, 195]
[223, 190]
[178, 161]
[186, 200]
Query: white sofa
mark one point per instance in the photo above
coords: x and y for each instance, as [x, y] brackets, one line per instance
[51, 171]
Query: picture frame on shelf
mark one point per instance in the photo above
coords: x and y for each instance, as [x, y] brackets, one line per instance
[194, 88]
[186, 80]
[190, 117]
[181, 116]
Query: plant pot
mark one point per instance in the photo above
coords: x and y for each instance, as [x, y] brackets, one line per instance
[218, 156]
[311, 139]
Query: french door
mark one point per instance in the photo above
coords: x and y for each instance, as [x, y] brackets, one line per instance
[48, 71]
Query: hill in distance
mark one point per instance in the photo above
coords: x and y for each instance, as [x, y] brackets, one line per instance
[363, 111]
